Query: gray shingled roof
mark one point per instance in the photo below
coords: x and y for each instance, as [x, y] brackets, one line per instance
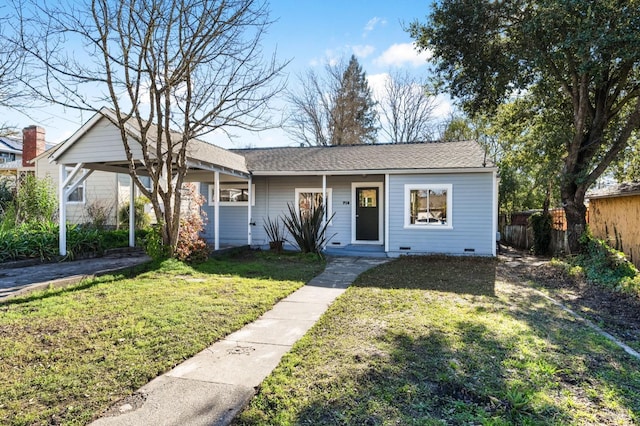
[377, 157]
[619, 190]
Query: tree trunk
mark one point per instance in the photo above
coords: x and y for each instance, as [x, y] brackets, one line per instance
[575, 213]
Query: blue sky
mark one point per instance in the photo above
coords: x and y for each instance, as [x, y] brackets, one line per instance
[309, 33]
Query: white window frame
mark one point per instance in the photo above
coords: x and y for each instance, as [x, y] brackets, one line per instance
[422, 187]
[230, 185]
[329, 201]
[81, 187]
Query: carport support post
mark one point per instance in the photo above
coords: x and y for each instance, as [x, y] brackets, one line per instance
[132, 213]
[250, 195]
[63, 210]
[324, 199]
[216, 211]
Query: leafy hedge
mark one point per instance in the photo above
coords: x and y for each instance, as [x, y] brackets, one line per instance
[40, 241]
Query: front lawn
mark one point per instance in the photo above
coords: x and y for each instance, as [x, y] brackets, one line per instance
[442, 341]
[67, 355]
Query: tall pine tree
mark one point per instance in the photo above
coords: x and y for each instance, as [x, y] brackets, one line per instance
[353, 116]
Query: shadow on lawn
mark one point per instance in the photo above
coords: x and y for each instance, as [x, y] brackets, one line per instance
[550, 370]
[462, 275]
[430, 379]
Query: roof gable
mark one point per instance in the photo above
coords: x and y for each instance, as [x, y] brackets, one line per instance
[197, 150]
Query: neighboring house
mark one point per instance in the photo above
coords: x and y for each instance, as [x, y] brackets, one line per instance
[614, 216]
[387, 199]
[16, 155]
[10, 150]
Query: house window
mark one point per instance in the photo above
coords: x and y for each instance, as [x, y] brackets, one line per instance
[428, 206]
[77, 196]
[233, 194]
[311, 198]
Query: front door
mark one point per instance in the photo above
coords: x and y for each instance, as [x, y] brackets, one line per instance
[367, 214]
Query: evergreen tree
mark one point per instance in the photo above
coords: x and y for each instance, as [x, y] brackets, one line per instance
[353, 116]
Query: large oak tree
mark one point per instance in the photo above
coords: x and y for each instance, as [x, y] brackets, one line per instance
[584, 55]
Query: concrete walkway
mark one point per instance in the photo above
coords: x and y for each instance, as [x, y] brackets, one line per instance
[16, 280]
[213, 386]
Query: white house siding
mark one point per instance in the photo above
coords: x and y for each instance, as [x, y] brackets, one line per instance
[472, 217]
[272, 194]
[102, 142]
[100, 187]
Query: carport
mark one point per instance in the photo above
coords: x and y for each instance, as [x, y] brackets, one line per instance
[97, 145]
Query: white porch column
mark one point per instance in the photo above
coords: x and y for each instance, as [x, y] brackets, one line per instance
[324, 198]
[216, 211]
[386, 213]
[132, 213]
[250, 195]
[62, 246]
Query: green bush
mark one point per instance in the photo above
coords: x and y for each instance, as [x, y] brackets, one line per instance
[7, 194]
[35, 201]
[602, 264]
[153, 245]
[142, 219]
[308, 230]
[40, 241]
[541, 224]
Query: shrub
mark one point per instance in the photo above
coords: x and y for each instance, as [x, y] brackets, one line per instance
[99, 212]
[541, 224]
[606, 266]
[275, 232]
[191, 246]
[308, 230]
[142, 219]
[152, 243]
[7, 194]
[40, 241]
[35, 201]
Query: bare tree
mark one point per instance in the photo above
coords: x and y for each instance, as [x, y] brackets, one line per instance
[333, 108]
[407, 107]
[310, 119]
[193, 66]
[12, 93]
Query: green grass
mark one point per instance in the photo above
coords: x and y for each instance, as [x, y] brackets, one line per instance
[447, 341]
[67, 355]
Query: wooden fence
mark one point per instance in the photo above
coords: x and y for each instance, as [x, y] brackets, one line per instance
[520, 235]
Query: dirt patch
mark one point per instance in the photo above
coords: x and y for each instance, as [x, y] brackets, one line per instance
[616, 313]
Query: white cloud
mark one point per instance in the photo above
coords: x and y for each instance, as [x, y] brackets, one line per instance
[444, 107]
[377, 83]
[371, 25]
[363, 51]
[400, 54]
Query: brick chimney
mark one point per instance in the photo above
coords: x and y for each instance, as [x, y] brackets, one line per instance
[32, 144]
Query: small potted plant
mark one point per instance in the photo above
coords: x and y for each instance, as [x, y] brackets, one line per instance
[275, 232]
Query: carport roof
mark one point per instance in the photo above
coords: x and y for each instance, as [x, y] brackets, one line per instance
[200, 154]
